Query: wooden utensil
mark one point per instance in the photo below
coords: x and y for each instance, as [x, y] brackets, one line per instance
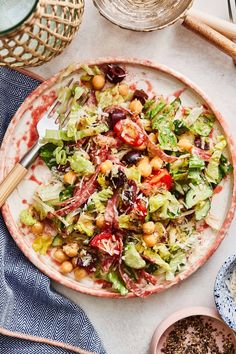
[151, 15]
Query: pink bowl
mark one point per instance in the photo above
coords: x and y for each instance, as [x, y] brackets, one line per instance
[166, 325]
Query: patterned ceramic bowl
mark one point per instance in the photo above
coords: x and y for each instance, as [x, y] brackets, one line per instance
[225, 304]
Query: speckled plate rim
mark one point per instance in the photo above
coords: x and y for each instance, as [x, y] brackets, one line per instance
[14, 230]
[179, 315]
[221, 275]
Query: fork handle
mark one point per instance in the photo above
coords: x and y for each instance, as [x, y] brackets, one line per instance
[18, 172]
[11, 182]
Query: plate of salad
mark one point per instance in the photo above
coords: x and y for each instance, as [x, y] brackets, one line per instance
[134, 191]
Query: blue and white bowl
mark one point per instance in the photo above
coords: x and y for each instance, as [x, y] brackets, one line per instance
[225, 304]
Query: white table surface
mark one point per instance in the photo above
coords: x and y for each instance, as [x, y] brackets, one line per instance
[126, 326]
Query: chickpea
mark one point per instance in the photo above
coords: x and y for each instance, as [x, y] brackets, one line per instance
[98, 82]
[144, 167]
[153, 138]
[185, 142]
[156, 163]
[150, 240]
[148, 227]
[80, 273]
[74, 261]
[100, 221]
[136, 106]
[71, 250]
[70, 177]
[106, 166]
[60, 256]
[66, 267]
[37, 228]
[123, 90]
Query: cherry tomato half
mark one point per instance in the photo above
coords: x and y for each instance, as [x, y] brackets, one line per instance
[129, 132]
[107, 242]
[140, 208]
[162, 179]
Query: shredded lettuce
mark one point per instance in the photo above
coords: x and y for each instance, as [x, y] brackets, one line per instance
[166, 204]
[124, 221]
[64, 94]
[102, 180]
[196, 162]
[117, 283]
[203, 125]
[46, 153]
[225, 167]
[133, 173]
[91, 70]
[60, 155]
[109, 97]
[193, 116]
[132, 258]
[42, 243]
[85, 225]
[80, 164]
[66, 193]
[212, 171]
[26, 218]
[153, 112]
[197, 193]
[176, 263]
[154, 257]
[49, 192]
[98, 200]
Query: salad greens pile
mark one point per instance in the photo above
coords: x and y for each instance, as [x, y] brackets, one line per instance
[132, 178]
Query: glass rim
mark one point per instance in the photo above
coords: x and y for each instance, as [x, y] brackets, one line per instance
[11, 29]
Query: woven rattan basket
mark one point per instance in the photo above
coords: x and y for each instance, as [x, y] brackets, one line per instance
[49, 29]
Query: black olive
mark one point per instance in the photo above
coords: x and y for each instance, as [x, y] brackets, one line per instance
[115, 115]
[88, 259]
[131, 157]
[118, 180]
[129, 194]
[201, 144]
[114, 73]
[140, 95]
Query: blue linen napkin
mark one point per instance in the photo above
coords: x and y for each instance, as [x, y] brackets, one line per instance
[27, 303]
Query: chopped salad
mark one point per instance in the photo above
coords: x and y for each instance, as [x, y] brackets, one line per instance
[132, 178]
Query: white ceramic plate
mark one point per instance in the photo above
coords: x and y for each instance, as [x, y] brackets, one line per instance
[21, 134]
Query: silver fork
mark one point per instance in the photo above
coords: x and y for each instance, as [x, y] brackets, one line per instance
[49, 121]
[232, 14]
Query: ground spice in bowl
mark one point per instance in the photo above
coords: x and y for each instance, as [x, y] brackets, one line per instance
[198, 335]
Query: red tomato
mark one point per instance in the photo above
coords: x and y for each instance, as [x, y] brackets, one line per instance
[107, 242]
[140, 208]
[129, 132]
[162, 179]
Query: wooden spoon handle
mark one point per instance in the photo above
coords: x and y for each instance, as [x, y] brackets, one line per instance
[214, 37]
[226, 28]
[11, 181]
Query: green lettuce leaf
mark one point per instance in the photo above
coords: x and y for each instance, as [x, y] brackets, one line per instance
[117, 283]
[98, 200]
[212, 171]
[42, 243]
[166, 204]
[80, 164]
[26, 218]
[132, 258]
